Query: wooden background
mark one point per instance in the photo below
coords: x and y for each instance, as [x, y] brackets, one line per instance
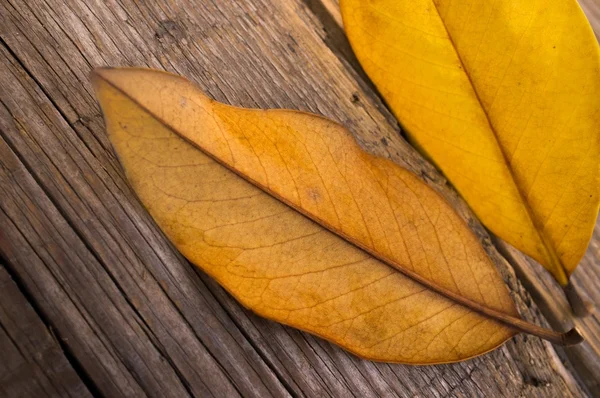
[94, 301]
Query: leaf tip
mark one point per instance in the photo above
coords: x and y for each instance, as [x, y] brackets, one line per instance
[97, 72]
[96, 75]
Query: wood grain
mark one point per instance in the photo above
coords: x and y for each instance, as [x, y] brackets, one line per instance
[139, 319]
[33, 363]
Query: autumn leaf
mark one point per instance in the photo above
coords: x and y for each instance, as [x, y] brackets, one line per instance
[504, 97]
[290, 216]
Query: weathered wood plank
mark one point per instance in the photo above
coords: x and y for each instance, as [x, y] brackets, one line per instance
[33, 363]
[140, 338]
[95, 260]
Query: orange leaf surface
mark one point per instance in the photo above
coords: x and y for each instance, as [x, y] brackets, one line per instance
[290, 216]
[504, 97]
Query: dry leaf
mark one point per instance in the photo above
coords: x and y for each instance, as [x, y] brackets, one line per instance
[504, 96]
[286, 212]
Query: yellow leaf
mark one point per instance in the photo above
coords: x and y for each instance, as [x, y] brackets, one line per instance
[286, 212]
[504, 96]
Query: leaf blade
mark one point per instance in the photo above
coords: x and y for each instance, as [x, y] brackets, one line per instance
[494, 67]
[229, 225]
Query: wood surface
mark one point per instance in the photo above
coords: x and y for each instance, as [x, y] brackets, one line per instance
[33, 362]
[98, 286]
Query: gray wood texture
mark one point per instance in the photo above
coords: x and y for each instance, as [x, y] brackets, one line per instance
[133, 317]
[33, 362]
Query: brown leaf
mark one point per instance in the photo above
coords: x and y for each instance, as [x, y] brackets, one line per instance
[287, 213]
